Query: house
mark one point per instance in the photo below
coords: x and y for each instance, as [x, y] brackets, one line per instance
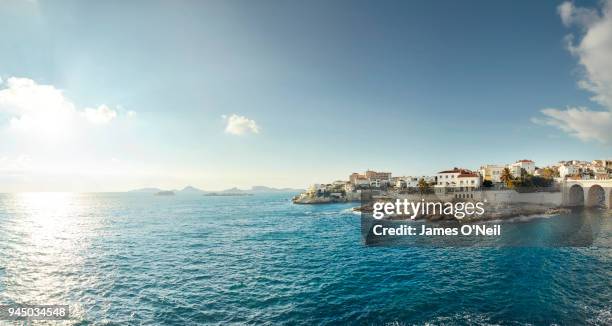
[370, 178]
[315, 190]
[378, 177]
[469, 180]
[458, 178]
[406, 182]
[492, 172]
[568, 170]
[527, 165]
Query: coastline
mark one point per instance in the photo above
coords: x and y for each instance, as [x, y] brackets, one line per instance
[499, 213]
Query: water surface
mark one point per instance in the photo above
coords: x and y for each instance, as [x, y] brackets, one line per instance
[186, 259]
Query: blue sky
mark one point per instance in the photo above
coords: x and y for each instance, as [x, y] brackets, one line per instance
[311, 90]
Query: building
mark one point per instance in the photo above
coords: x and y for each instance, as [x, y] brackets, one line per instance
[469, 180]
[428, 178]
[492, 172]
[349, 187]
[370, 178]
[406, 182]
[458, 178]
[606, 164]
[354, 177]
[518, 166]
[382, 177]
[315, 190]
[567, 170]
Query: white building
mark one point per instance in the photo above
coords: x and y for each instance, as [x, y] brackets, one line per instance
[492, 172]
[515, 168]
[458, 178]
[567, 170]
[349, 187]
[406, 182]
[316, 188]
[428, 178]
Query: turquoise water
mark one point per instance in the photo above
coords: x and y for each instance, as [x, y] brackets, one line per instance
[137, 258]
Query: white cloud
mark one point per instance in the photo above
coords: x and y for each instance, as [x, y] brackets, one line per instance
[594, 52]
[240, 125]
[580, 122]
[103, 114]
[45, 110]
[571, 15]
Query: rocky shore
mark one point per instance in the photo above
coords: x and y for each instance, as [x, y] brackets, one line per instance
[308, 200]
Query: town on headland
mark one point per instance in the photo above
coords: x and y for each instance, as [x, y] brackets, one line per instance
[519, 188]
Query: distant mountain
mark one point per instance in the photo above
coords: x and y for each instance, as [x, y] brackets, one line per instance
[148, 190]
[270, 189]
[191, 190]
[234, 190]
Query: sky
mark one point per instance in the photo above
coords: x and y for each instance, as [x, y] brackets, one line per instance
[117, 95]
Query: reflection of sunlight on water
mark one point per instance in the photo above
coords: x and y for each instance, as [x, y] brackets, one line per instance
[49, 219]
[43, 257]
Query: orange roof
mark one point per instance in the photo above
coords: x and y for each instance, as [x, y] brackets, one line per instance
[524, 161]
[468, 175]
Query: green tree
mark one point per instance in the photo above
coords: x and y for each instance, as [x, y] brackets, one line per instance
[524, 174]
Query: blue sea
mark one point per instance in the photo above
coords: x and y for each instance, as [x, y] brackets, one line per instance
[133, 258]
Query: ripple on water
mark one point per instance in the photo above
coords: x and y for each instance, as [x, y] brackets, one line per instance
[132, 259]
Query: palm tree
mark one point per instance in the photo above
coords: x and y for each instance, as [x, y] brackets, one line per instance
[423, 186]
[506, 177]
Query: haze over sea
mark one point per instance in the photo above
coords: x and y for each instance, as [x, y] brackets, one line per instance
[133, 258]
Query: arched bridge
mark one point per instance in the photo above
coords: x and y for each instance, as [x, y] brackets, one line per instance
[590, 193]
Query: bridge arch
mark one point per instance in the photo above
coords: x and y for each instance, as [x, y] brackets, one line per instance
[596, 196]
[576, 196]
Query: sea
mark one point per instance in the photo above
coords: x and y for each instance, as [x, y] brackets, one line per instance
[136, 258]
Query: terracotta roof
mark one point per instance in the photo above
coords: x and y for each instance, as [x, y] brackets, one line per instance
[524, 161]
[468, 175]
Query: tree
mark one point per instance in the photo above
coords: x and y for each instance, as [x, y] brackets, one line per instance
[549, 173]
[423, 186]
[487, 183]
[506, 177]
[524, 174]
[541, 181]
